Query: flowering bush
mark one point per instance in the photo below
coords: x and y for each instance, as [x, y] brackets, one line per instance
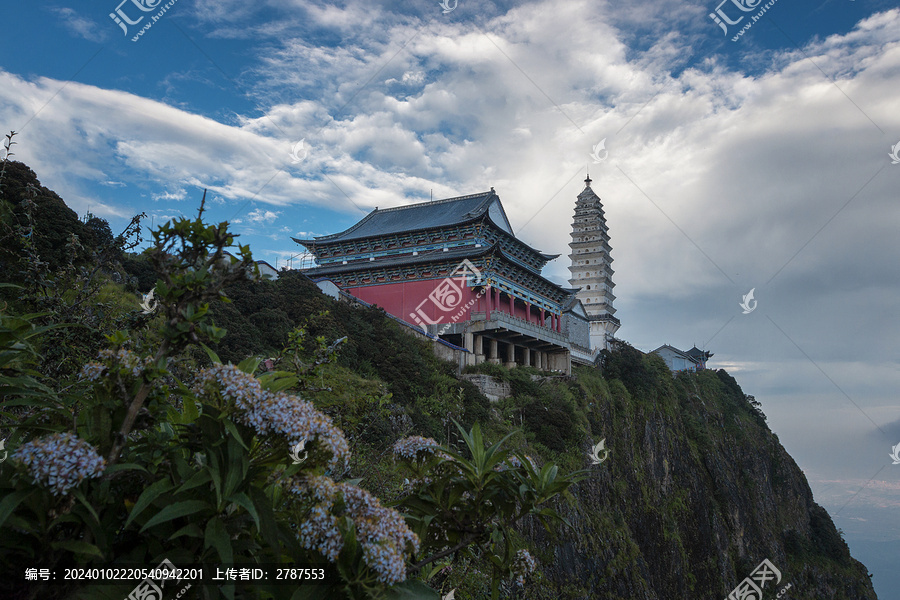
[415, 447]
[522, 566]
[127, 361]
[385, 538]
[278, 413]
[60, 461]
[465, 506]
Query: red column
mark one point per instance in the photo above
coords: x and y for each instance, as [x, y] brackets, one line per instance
[489, 300]
[512, 305]
[543, 316]
[528, 312]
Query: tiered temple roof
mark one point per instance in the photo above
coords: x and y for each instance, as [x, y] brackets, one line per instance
[428, 240]
[454, 222]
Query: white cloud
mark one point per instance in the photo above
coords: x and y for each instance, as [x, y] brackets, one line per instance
[262, 216]
[179, 194]
[78, 24]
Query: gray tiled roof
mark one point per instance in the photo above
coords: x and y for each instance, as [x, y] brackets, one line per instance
[440, 213]
[697, 353]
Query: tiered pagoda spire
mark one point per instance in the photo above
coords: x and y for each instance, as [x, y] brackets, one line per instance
[591, 266]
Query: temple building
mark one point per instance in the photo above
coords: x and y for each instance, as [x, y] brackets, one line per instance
[679, 360]
[455, 269]
[591, 267]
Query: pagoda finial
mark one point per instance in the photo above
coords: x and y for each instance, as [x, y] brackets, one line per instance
[587, 181]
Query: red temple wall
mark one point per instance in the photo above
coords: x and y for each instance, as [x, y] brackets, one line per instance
[422, 299]
[402, 298]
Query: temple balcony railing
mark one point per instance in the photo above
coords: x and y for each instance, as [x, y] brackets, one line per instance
[520, 325]
[582, 354]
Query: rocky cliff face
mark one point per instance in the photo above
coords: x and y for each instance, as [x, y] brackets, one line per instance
[696, 493]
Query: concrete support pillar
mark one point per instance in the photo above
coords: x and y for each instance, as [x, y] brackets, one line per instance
[468, 342]
[493, 355]
[539, 359]
[510, 355]
[526, 356]
[479, 345]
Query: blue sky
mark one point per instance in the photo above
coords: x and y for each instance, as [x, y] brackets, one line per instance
[759, 163]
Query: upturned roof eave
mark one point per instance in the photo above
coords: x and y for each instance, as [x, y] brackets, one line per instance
[321, 241]
[424, 258]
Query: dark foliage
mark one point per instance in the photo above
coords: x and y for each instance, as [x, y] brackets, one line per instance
[261, 314]
[731, 385]
[826, 537]
[141, 276]
[476, 407]
[54, 223]
[626, 363]
[552, 419]
[736, 397]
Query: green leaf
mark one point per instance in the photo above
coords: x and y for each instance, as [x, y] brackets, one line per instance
[278, 381]
[190, 412]
[241, 499]
[249, 365]
[190, 530]
[124, 467]
[232, 429]
[237, 468]
[217, 537]
[411, 589]
[78, 547]
[212, 355]
[79, 495]
[176, 510]
[149, 495]
[198, 478]
[216, 475]
[10, 502]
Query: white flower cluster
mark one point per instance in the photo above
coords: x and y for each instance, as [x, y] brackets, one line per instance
[411, 447]
[122, 357]
[516, 463]
[381, 531]
[282, 414]
[522, 566]
[60, 461]
[410, 485]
